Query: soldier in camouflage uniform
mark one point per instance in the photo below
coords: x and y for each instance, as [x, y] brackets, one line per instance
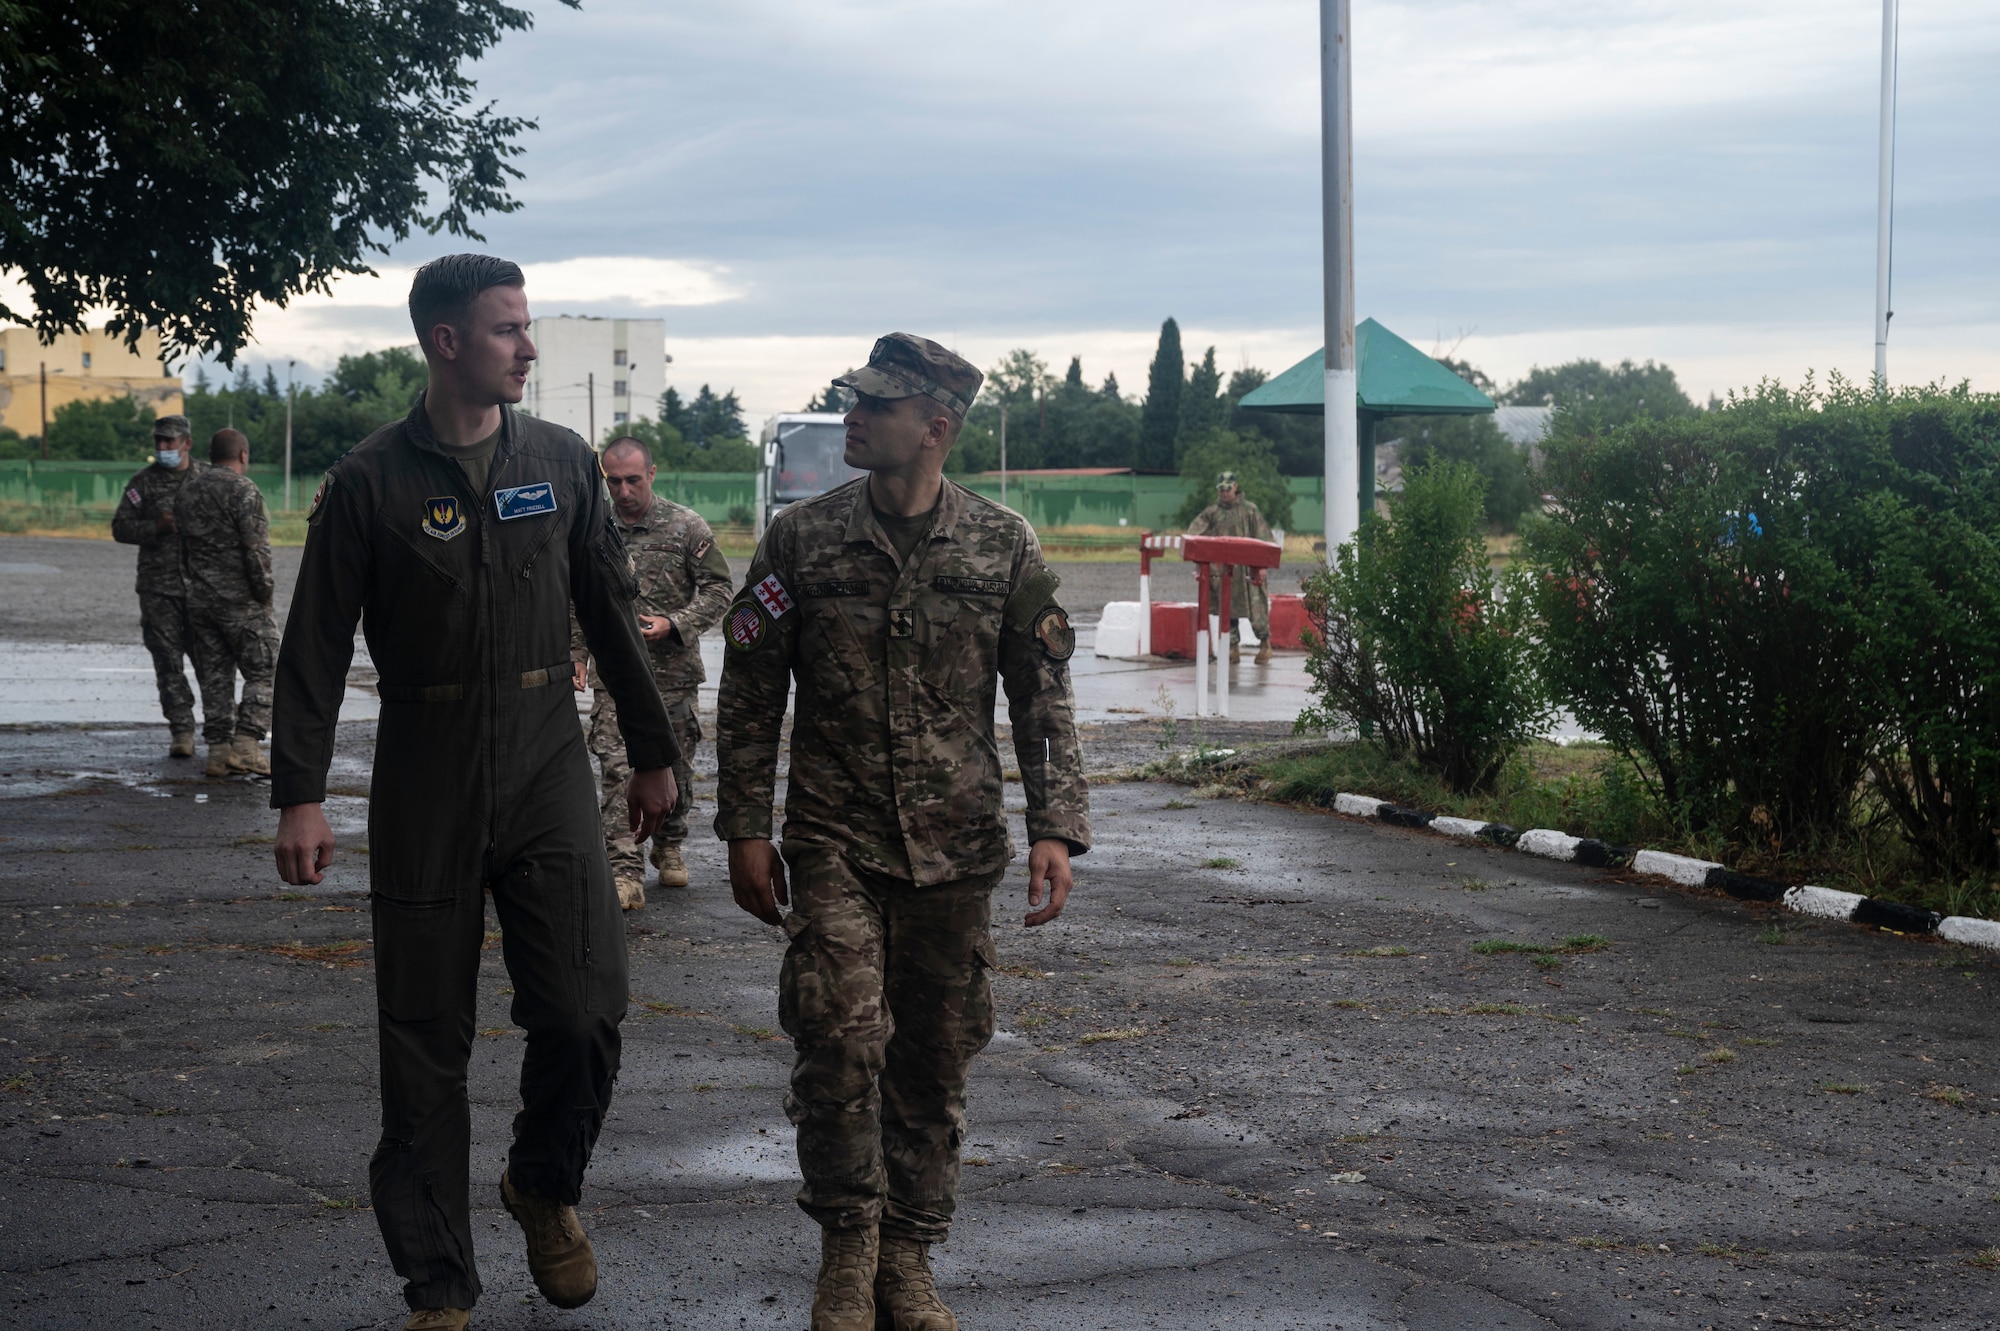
[1234, 515]
[899, 603]
[226, 553]
[145, 518]
[683, 589]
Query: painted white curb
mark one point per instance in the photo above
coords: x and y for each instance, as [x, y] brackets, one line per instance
[1690, 872]
[1971, 932]
[1361, 806]
[1466, 827]
[1825, 902]
[1549, 844]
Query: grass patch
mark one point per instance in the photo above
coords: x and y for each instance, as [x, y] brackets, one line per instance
[1498, 1010]
[757, 1032]
[664, 1009]
[1020, 972]
[1033, 1023]
[1492, 946]
[1773, 934]
[1219, 862]
[1180, 804]
[1549, 963]
[1946, 1095]
[1842, 1087]
[1384, 950]
[1596, 1242]
[1727, 1252]
[1720, 1054]
[1986, 1259]
[1121, 1033]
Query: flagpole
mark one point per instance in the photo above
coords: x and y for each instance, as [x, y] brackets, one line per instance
[1343, 462]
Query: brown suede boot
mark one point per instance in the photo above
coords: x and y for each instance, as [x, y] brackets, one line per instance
[1264, 652]
[218, 760]
[906, 1294]
[438, 1319]
[631, 892]
[667, 859]
[1235, 652]
[559, 1254]
[182, 746]
[844, 1297]
[247, 755]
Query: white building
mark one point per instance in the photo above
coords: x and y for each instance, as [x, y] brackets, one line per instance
[595, 375]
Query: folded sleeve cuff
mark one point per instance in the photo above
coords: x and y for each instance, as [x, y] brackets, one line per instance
[1060, 825]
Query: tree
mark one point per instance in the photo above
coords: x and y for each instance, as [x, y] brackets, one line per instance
[179, 160]
[1298, 442]
[1160, 421]
[707, 419]
[1202, 407]
[1209, 454]
[836, 400]
[1603, 396]
[115, 429]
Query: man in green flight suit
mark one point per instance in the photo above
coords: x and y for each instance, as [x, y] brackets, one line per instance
[460, 537]
[900, 604]
[1232, 514]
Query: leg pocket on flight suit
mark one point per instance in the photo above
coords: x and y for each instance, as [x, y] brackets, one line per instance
[598, 949]
[416, 964]
[976, 1017]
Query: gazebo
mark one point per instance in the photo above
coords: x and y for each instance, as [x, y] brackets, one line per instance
[1393, 379]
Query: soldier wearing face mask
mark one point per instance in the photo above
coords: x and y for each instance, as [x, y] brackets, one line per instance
[145, 518]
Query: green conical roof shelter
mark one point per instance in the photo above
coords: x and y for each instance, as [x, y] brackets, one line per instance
[1393, 379]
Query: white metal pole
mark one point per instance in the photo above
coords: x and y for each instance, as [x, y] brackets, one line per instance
[1222, 667]
[290, 395]
[1343, 435]
[1145, 614]
[1885, 192]
[1201, 671]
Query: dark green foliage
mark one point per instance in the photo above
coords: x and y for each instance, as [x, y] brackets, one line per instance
[1414, 637]
[836, 400]
[1202, 404]
[1050, 422]
[1298, 442]
[1160, 419]
[1208, 455]
[363, 394]
[1598, 394]
[1474, 440]
[710, 417]
[178, 161]
[673, 451]
[114, 429]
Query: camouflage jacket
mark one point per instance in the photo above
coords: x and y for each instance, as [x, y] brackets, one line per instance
[148, 495]
[682, 576]
[225, 541]
[1239, 519]
[894, 758]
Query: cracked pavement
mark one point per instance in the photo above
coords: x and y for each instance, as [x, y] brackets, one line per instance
[1257, 1076]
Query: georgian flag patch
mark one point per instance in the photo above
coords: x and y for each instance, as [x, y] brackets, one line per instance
[771, 594]
[133, 497]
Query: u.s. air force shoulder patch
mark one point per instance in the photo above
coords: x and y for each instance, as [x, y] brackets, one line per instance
[319, 497]
[746, 627]
[1053, 631]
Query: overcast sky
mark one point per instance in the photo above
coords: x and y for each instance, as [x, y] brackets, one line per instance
[1535, 180]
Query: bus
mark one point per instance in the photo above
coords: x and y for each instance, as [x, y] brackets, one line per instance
[802, 458]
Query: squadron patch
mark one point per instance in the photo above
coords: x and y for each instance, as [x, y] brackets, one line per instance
[746, 627]
[1053, 630]
[134, 498]
[771, 594]
[443, 518]
[319, 496]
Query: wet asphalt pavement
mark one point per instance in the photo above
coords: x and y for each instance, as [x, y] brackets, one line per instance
[1281, 1093]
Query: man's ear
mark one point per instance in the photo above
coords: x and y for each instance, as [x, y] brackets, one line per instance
[444, 341]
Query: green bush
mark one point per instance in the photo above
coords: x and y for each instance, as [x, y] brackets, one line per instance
[116, 429]
[1415, 639]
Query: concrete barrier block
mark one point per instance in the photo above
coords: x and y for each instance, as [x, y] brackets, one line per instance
[1680, 868]
[1973, 933]
[1548, 843]
[1825, 902]
[1361, 806]
[1465, 827]
[1118, 630]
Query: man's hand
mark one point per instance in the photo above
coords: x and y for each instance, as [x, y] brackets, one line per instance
[1048, 862]
[1257, 576]
[649, 797]
[164, 524]
[579, 676]
[305, 844]
[757, 878]
[653, 628]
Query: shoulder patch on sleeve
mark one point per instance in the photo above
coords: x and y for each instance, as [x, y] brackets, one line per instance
[771, 594]
[746, 628]
[1031, 596]
[700, 548]
[319, 496]
[1053, 631]
[133, 497]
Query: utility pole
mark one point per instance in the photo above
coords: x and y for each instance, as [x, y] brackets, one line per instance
[590, 387]
[1885, 194]
[1003, 454]
[45, 411]
[290, 365]
[1343, 442]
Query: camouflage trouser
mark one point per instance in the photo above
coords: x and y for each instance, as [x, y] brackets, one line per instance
[887, 996]
[608, 746]
[1245, 599]
[223, 642]
[163, 626]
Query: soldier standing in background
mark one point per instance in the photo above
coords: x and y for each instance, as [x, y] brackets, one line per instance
[683, 589]
[226, 554]
[145, 518]
[900, 603]
[1234, 515]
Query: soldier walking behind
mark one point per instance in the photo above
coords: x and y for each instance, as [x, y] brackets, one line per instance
[900, 603]
[226, 558]
[460, 537]
[145, 518]
[1232, 514]
[683, 589]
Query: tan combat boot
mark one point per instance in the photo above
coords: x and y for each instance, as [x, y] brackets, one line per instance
[183, 745]
[844, 1298]
[1264, 652]
[905, 1290]
[667, 859]
[247, 755]
[631, 892]
[1235, 652]
[218, 760]
[438, 1319]
[559, 1254]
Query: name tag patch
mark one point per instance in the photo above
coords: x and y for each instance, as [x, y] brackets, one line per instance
[844, 587]
[973, 586]
[443, 518]
[524, 501]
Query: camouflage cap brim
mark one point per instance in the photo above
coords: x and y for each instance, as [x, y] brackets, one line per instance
[875, 381]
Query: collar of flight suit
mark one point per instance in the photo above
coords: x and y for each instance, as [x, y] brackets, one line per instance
[417, 429]
[862, 527]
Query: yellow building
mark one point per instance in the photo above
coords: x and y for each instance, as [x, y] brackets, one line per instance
[79, 367]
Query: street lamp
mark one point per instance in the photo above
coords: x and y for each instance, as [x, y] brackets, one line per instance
[290, 365]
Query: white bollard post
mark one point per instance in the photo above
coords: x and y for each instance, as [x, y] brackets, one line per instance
[1218, 662]
[1201, 672]
[1222, 674]
[1145, 614]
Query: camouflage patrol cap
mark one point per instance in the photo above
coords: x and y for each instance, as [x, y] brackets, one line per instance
[1224, 480]
[177, 426]
[904, 365]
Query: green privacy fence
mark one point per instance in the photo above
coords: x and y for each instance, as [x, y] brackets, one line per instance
[1049, 502]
